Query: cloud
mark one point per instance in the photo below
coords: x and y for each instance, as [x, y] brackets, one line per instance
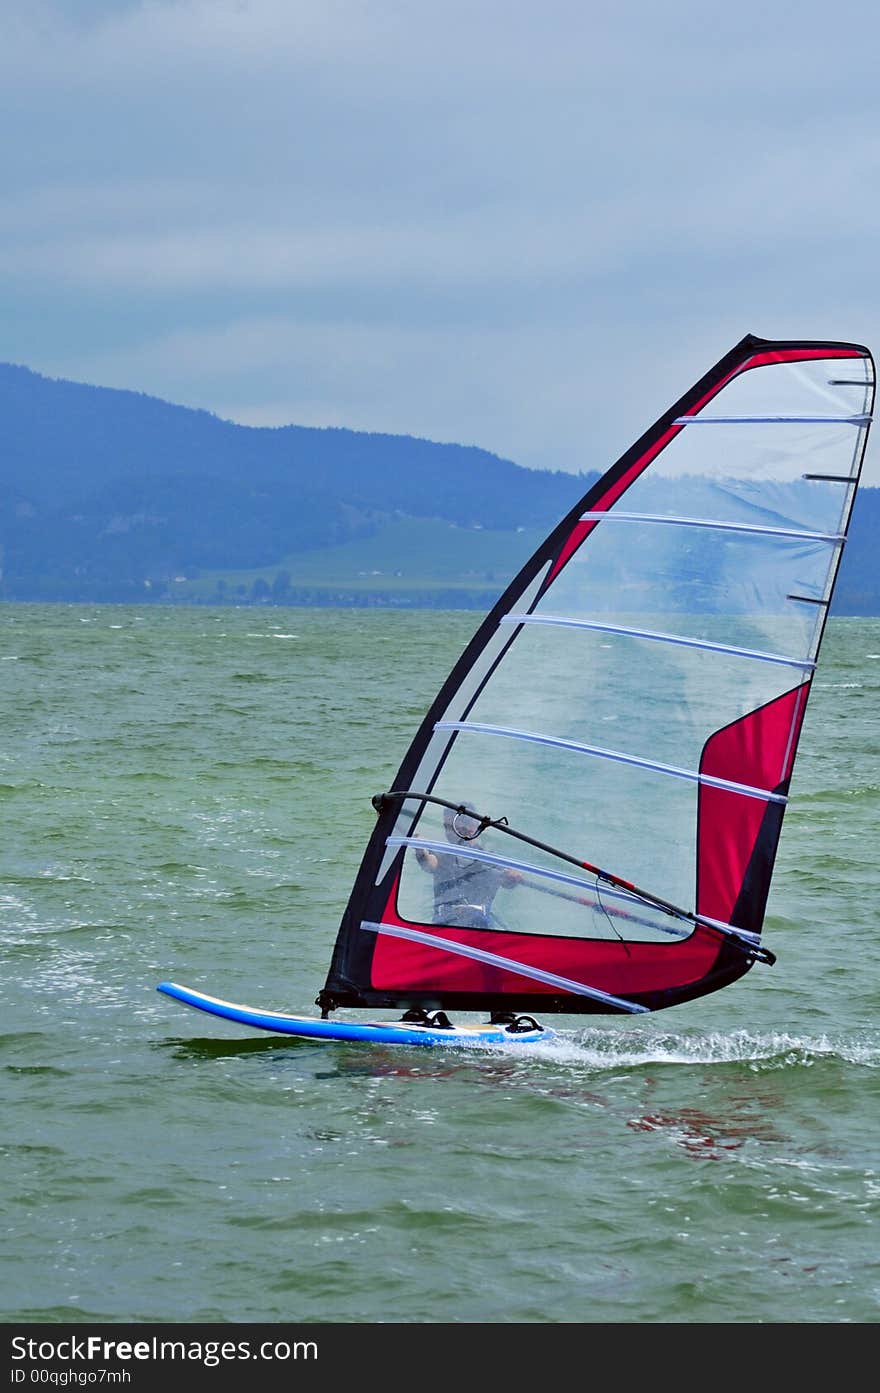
[538, 219]
[341, 373]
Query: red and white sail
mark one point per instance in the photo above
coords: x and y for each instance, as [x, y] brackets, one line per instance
[635, 698]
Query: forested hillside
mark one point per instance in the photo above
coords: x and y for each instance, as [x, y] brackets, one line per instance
[116, 496]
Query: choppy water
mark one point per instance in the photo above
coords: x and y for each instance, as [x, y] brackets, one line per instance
[186, 794]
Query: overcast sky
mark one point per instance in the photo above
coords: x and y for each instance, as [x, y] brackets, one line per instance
[521, 224]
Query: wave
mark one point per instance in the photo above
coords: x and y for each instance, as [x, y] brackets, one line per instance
[611, 1049]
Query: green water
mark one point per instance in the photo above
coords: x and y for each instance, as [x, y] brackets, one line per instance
[186, 795]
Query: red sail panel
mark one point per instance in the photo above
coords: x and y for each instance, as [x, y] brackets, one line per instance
[738, 832]
[615, 967]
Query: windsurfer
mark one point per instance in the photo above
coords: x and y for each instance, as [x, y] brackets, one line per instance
[464, 888]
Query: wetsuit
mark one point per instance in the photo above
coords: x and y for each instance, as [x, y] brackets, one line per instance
[464, 890]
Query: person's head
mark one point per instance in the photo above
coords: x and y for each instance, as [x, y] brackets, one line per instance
[461, 826]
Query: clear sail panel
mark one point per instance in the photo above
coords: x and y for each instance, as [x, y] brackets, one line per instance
[638, 823]
[656, 699]
[757, 590]
[487, 884]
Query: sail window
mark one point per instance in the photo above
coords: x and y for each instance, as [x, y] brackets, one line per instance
[608, 900]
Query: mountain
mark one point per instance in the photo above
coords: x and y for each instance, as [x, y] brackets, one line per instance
[110, 495]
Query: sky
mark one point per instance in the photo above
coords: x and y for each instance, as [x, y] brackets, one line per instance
[527, 225]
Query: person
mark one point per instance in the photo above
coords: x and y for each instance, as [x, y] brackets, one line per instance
[464, 888]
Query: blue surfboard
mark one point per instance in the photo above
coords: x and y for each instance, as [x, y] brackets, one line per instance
[375, 1032]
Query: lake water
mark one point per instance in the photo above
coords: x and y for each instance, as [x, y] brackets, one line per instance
[186, 795]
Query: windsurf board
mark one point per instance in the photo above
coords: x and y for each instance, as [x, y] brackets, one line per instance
[376, 1032]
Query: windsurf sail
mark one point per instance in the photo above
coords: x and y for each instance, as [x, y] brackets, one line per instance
[588, 816]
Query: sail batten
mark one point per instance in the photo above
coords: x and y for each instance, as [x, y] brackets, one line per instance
[514, 863]
[567, 621]
[716, 525]
[638, 691]
[860, 419]
[831, 478]
[619, 756]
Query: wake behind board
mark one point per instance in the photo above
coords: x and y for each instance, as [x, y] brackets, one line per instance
[376, 1032]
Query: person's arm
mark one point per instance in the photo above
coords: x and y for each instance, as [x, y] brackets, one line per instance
[426, 859]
